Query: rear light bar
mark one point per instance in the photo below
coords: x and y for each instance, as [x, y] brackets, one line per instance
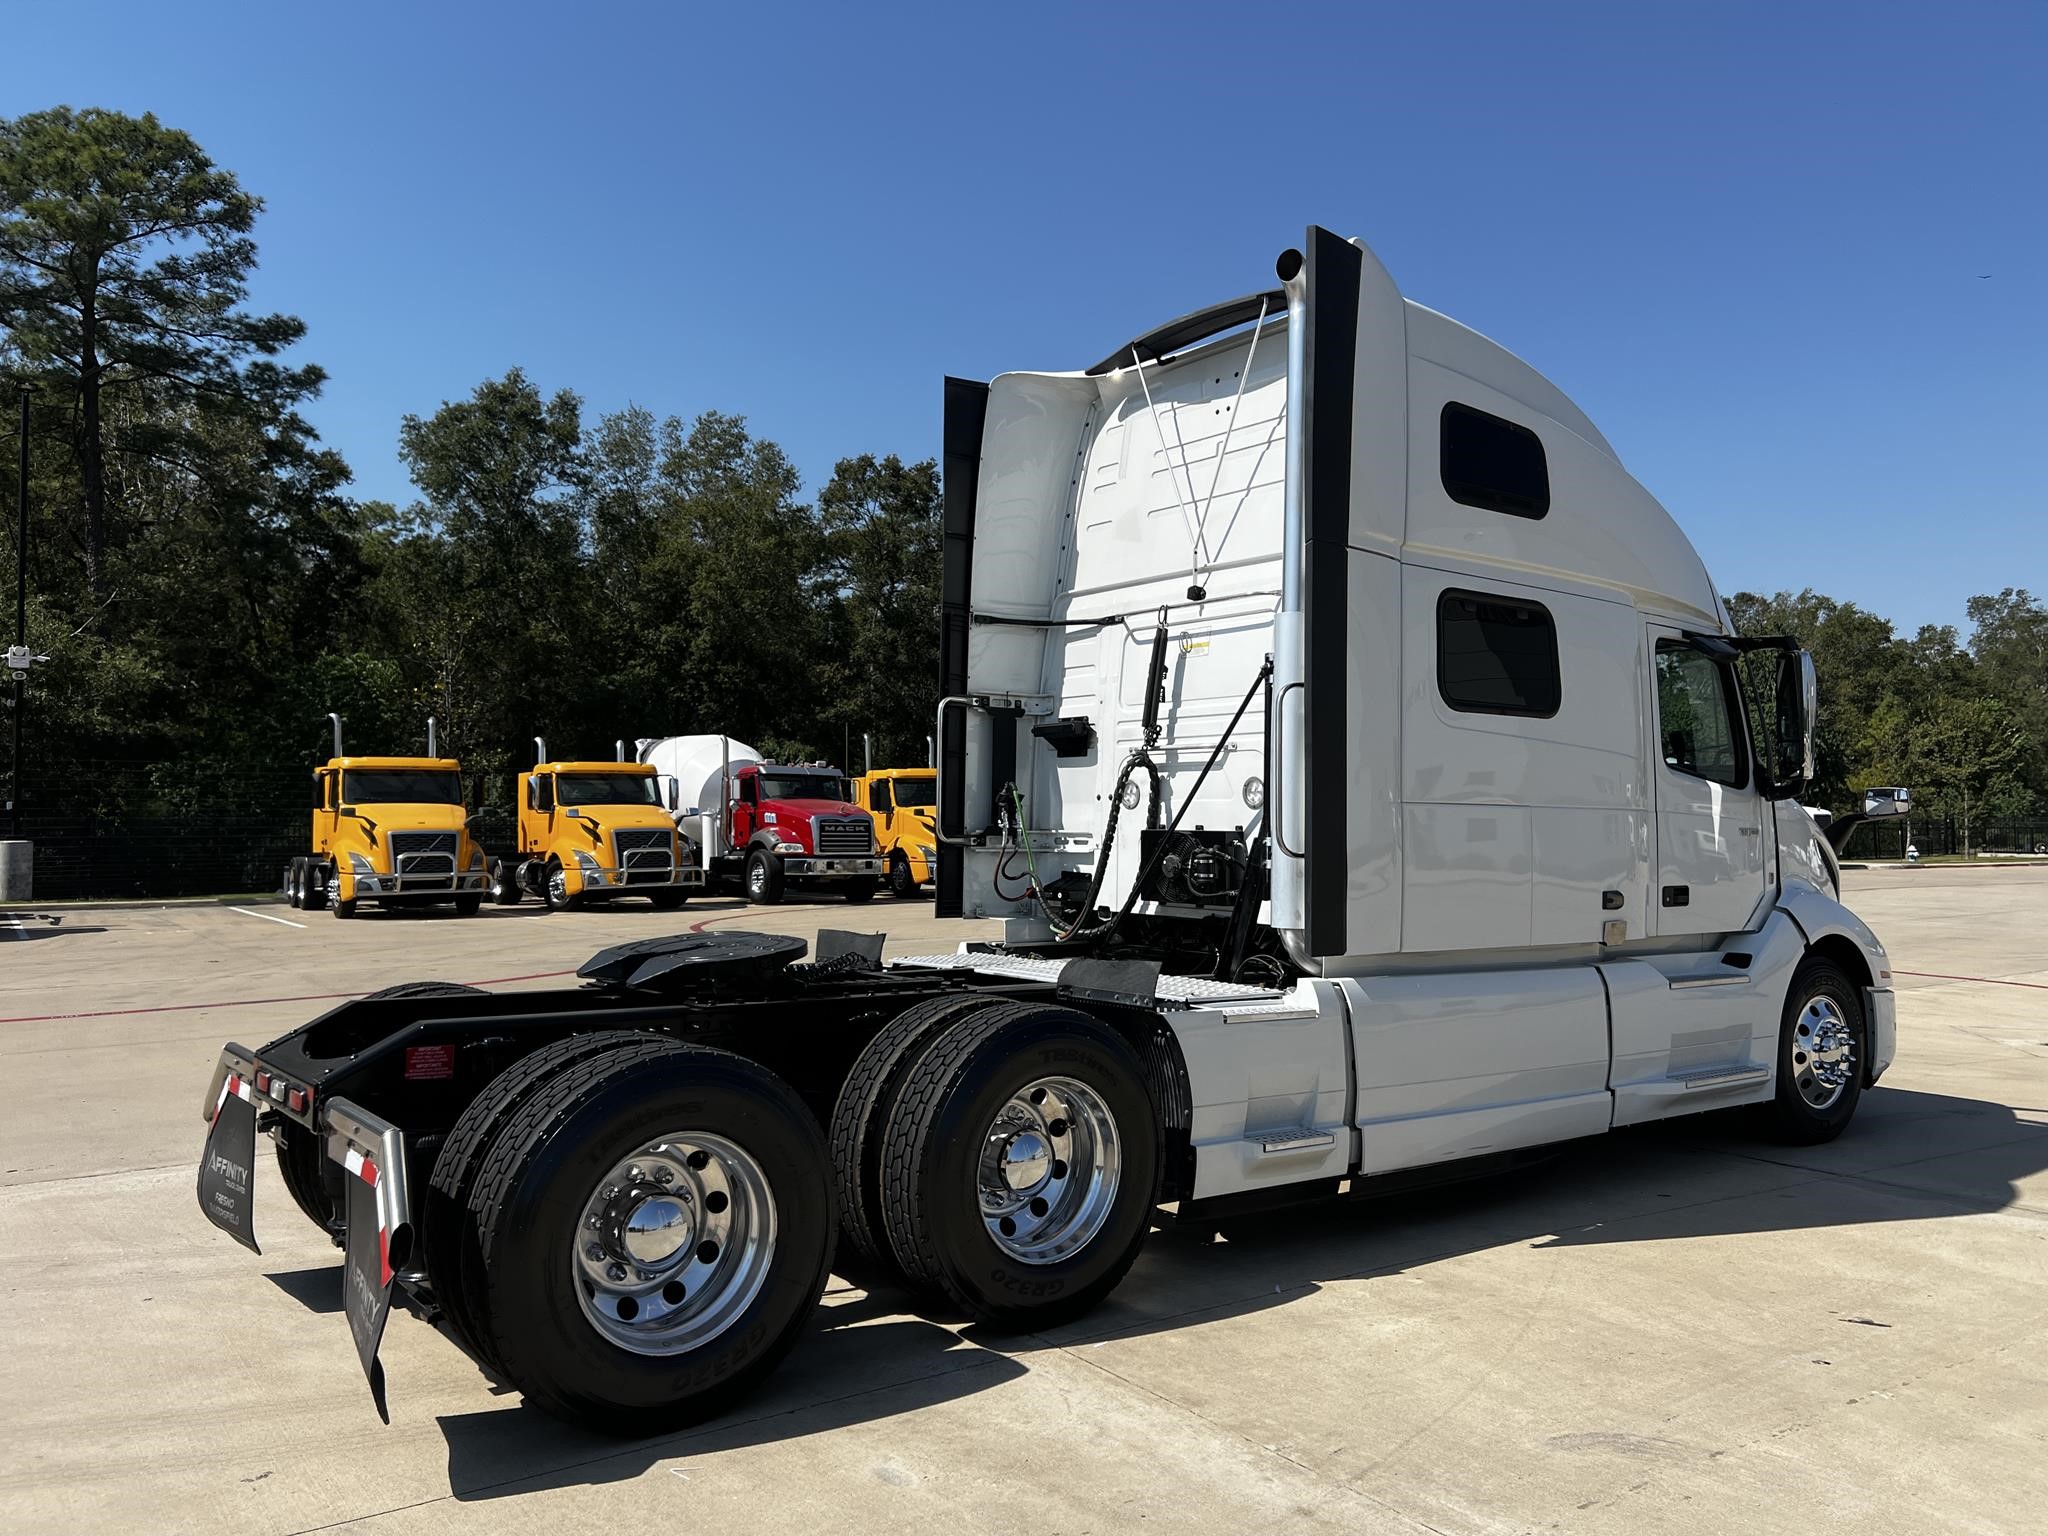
[238, 1074]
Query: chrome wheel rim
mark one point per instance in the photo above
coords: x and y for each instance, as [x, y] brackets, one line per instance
[757, 878]
[674, 1243]
[1823, 1052]
[1050, 1167]
[558, 887]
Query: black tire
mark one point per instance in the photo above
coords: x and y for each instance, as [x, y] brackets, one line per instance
[865, 1109]
[764, 878]
[935, 1142]
[448, 1239]
[859, 891]
[902, 884]
[295, 883]
[313, 893]
[669, 900]
[1791, 1117]
[563, 903]
[314, 1189]
[342, 908]
[505, 891]
[541, 1170]
[469, 903]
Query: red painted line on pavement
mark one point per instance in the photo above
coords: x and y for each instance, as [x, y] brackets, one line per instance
[244, 1002]
[1989, 981]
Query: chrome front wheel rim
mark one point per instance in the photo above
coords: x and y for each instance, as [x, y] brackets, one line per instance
[1049, 1170]
[558, 887]
[1823, 1052]
[674, 1243]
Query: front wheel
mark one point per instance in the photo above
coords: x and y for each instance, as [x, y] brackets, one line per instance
[860, 890]
[295, 884]
[902, 883]
[764, 878]
[668, 901]
[469, 903]
[555, 891]
[1021, 1165]
[1823, 1042]
[658, 1229]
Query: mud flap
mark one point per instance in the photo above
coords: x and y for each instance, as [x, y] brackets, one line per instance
[226, 1188]
[378, 1243]
[366, 1279]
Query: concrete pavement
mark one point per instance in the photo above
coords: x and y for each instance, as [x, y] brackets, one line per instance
[1671, 1330]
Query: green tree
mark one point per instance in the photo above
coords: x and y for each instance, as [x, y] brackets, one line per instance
[882, 532]
[1962, 757]
[2009, 640]
[124, 259]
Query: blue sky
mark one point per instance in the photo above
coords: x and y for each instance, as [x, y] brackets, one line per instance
[1746, 239]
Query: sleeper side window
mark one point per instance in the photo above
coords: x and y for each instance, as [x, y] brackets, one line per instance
[1496, 655]
[878, 792]
[1697, 728]
[1492, 463]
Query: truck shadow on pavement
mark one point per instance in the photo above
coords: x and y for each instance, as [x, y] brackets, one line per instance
[1909, 1156]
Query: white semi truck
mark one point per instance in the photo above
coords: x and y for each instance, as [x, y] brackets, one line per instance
[1356, 754]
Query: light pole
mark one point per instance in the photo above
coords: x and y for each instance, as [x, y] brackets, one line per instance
[16, 855]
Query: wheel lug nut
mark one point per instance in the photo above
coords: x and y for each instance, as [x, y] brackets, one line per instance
[664, 1176]
[634, 1175]
[593, 1250]
[615, 1271]
[643, 1274]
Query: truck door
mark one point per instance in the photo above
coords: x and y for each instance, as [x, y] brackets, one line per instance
[324, 808]
[746, 809]
[1710, 814]
[882, 804]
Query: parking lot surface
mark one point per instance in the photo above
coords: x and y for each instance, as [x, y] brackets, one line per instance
[1678, 1329]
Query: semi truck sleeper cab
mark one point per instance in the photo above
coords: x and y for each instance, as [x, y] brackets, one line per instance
[1372, 786]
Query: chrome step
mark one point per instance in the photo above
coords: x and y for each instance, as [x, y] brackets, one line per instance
[1709, 979]
[1293, 1139]
[1721, 1077]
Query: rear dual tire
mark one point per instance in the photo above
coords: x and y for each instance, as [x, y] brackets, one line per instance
[521, 1241]
[1011, 1152]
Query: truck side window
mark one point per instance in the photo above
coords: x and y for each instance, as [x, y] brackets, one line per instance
[747, 791]
[1493, 464]
[1496, 655]
[541, 787]
[878, 796]
[1696, 721]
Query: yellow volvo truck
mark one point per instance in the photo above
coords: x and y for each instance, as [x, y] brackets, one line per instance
[902, 802]
[593, 832]
[393, 830]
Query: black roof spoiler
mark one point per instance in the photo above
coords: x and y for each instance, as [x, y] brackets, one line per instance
[1171, 337]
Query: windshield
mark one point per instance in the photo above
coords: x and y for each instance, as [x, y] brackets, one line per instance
[802, 786]
[605, 789]
[917, 792]
[400, 786]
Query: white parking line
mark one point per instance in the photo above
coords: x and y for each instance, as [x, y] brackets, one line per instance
[267, 917]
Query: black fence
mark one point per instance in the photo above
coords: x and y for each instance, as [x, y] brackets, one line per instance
[147, 830]
[1933, 835]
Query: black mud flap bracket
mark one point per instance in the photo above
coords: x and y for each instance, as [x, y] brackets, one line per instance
[226, 1186]
[371, 1152]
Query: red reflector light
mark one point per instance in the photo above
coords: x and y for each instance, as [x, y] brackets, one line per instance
[425, 1062]
[295, 1101]
[263, 1082]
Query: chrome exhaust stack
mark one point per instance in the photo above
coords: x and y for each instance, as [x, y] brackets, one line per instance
[540, 750]
[1285, 731]
[433, 741]
[337, 732]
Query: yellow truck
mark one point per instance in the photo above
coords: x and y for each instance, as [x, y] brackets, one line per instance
[393, 830]
[903, 802]
[592, 832]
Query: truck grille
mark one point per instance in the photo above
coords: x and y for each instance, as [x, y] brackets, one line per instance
[843, 835]
[423, 860]
[645, 857]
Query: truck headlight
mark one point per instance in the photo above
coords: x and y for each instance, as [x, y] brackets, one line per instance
[476, 858]
[592, 875]
[364, 871]
[789, 847]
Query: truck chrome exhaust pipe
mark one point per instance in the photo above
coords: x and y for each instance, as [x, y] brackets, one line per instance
[433, 741]
[1285, 730]
[620, 748]
[867, 753]
[540, 750]
[337, 732]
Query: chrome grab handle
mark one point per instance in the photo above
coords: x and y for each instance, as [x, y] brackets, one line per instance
[1280, 772]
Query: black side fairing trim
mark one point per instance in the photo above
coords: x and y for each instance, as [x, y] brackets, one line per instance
[960, 469]
[1335, 274]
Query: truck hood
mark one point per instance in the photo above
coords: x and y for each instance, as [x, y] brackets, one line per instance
[405, 816]
[809, 808]
[622, 818]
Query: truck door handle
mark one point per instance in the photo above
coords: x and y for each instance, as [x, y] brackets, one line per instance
[1750, 831]
[1677, 895]
[1280, 771]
